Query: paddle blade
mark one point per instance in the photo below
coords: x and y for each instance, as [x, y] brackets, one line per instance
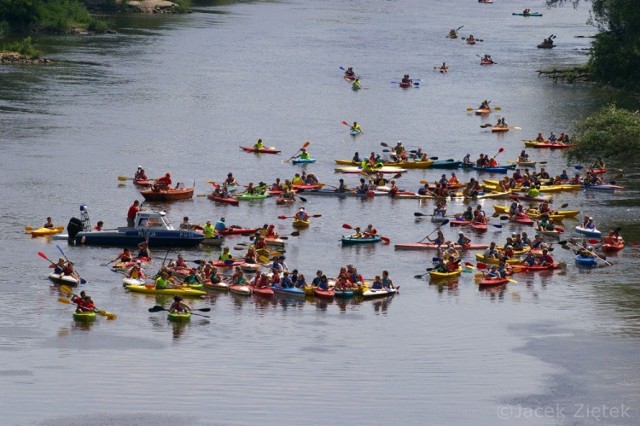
[306, 144]
[104, 313]
[497, 226]
[122, 178]
[204, 309]
[283, 217]
[500, 150]
[316, 215]
[512, 281]
[64, 300]
[347, 226]
[444, 222]
[295, 233]
[481, 266]
[418, 214]
[65, 289]
[345, 123]
[385, 240]
[384, 144]
[157, 308]
[44, 256]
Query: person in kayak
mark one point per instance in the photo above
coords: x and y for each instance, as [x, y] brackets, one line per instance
[471, 39]
[491, 252]
[501, 123]
[355, 127]
[598, 164]
[85, 304]
[140, 174]
[523, 157]
[552, 137]
[342, 187]
[258, 145]
[230, 180]
[124, 256]
[143, 250]
[466, 161]
[487, 59]
[178, 306]
[136, 272]
[163, 281]
[526, 12]
[453, 33]
[350, 73]
[370, 231]
[225, 255]
[49, 223]
[484, 105]
[220, 225]
[539, 138]
[304, 155]
[440, 210]
[444, 68]
[192, 277]
[406, 79]
[546, 258]
[301, 215]
[356, 85]
[250, 255]
[439, 240]
[356, 158]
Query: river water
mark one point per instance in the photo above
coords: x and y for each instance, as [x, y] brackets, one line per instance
[180, 94]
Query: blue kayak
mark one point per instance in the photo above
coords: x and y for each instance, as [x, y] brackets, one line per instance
[355, 132]
[290, 291]
[303, 160]
[603, 187]
[446, 164]
[351, 193]
[586, 261]
[593, 233]
[353, 240]
[503, 170]
[344, 293]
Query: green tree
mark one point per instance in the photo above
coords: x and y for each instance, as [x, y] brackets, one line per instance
[611, 133]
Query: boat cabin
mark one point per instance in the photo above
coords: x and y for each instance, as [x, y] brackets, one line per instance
[149, 219]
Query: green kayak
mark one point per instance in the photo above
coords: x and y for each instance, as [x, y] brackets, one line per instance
[251, 196]
[179, 316]
[84, 316]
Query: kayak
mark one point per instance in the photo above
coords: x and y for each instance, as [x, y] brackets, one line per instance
[593, 233]
[603, 187]
[143, 182]
[432, 246]
[227, 200]
[533, 268]
[369, 293]
[438, 218]
[497, 169]
[482, 111]
[609, 247]
[170, 194]
[282, 201]
[325, 294]
[480, 258]
[383, 169]
[586, 261]
[84, 316]
[446, 164]
[227, 263]
[298, 223]
[238, 231]
[355, 132]
[484, 62]
[303, 160]
[557, 145]
[354, 240]
[459, 222]
[241, 289]
[527, 198]
[343, 294]
[488, 282]
[555, 233]
[179, 316]
[216, 241]
[598, 171]
[527, 14]
[263, 291]
[479, 226]
[221, 286]
[523, 220]
[249, 197]
[290, 291]
[250, 267]
[180, 291]
[434, 275]
[499, 129]
[263, 150]
[41, 232]
[405, 85]
[331, 192]
[64, 279]
[546, 46]
[523, 163]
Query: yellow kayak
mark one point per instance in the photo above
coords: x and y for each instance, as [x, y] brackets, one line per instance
[180, 291]
[39, 232]
[480, 258]
[435, 276]
[298, 223]
[535, 214]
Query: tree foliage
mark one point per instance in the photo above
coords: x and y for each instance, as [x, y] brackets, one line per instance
[611, 133]
[615, 57]
[56, 16]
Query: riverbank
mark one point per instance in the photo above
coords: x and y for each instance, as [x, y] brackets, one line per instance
[18, 58]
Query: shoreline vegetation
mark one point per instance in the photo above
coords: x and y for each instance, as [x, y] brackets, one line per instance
[575, 74]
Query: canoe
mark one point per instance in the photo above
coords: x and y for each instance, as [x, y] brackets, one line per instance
[289, 291]
[432, 246]
[181, 291]
[586, 261]
[179, 316]
[603, 187]
[263, 150]
[383, 169]
[353, 240]
[300, 223]
[238, 231]
[167, 194]
[446, 164]
[499, 129]
[303, 160]
[435, 276]
[227, 200]
[369, 293]
[480, 258]
[241, 289]
[489, 282]
[64, 279]
[250, 197]
[482, 111]
[593, 233]
[84, 316]
[263, 291]
[557, 145]
[527, 14]
[354, 132]
[40, 232]
[609, 247]
[459, 222]
[324, 294]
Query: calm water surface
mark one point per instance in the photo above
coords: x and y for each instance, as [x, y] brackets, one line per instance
[179, 94]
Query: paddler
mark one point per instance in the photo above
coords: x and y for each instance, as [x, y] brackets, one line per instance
[598, 164]
[220, 225]
[356, 84]
[304, 155]
[350, 73]
[501, 122]
[357, 233]
[439, 240]
[301, 215]
[356, 127]
[124, 256]
[163, 282]
[178, 306]
[370, 231]
[406, 79]
[444, 68]
[163, 183]
[143, 250]
[140, 174]
[225, 255]
[136, 271]
[59, 267]
[463, 240]
[387, 283]
[208, 230]
[342, 187]
[49, 223]
[258, 145]
[453, 33]
[192, 277]
[186, 224]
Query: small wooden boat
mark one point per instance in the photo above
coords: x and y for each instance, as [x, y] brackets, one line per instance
[170, 194]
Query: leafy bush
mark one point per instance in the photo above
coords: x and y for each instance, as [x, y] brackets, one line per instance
[24, 47]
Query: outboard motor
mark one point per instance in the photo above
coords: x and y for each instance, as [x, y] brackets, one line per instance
[74, 226]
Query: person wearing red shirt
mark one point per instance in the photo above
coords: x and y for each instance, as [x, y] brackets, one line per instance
[164, 182]
[131, 214]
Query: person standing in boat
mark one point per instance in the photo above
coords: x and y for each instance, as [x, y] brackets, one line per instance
[131, 214]
[163, 183]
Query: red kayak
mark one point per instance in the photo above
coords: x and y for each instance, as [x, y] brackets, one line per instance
[281, 200]
[481, 227]
[457, 222]
[325, 294]
[143, 182]
[598, 171]
[612, 247]
[238, 231]
[227, 200]
[227, 263]
[532, 268]
[524, 220]
[405, 85]
[490, 282]
[263, 150]
[263, 291]
[432, 246]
